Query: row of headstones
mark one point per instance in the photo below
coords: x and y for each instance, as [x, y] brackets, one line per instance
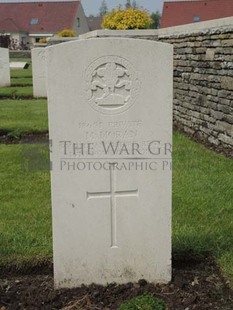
[110, 123]
[38, 70]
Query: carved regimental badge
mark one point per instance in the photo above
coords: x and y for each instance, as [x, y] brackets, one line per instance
[112, 85]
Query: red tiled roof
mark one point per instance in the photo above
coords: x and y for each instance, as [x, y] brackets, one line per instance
[8, 25]
[52, 16]
[183, 12]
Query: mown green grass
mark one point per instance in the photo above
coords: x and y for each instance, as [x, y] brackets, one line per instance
[202, 206]
[24, 73]
[25, 81]
[18, 117]
[16, 92]
[21, 83]
[25, 209]
[202, 203]
[29, 60]
[143, 302]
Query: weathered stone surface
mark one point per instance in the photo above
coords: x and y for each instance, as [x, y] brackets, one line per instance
[39, 72]
[217, 66]
[200, 50]
[225, 127]
[225, 108]
[213, 140]
[228, 42]
[216, 115]
[209, 119]
[225, 94]
[203, 87]
[111, 223]
[228, 118]
[4, 67]
[226, 139]
[227, 82]
[211, 105]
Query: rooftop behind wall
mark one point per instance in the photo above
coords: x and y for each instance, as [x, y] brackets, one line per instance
[211, 25]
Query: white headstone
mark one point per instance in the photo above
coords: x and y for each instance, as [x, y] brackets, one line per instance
[18, 65]
[5, 79]
[110, 115]
[39, 72]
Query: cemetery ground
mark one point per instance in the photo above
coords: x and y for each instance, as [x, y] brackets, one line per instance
[202, 220]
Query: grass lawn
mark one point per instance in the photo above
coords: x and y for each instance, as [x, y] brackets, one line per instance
[202, 190]
[16, 92]
[22, 59]
[25, 81]
[24, 73]
[202, 203]
[25, 210]
[23, 116]
[21, 78]
[202, 206]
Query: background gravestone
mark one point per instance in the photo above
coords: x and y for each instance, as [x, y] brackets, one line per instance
[18, 65]
[110, 116]
[4, 68]
[39, 72]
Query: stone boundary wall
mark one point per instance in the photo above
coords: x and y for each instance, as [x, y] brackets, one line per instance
[203, 83]
[20, 54]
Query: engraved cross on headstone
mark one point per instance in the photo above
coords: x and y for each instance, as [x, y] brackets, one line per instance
[113, 194]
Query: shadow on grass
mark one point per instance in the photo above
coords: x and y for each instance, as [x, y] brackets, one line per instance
[25, 266]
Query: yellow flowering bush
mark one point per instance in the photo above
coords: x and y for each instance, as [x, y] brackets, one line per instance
[127, 19]
[67, 33]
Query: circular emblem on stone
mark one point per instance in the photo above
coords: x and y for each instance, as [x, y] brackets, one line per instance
[112, 85]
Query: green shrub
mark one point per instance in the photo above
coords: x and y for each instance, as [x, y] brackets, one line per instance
[144, 302]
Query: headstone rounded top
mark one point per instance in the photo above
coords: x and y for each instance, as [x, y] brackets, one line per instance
[112, 84]
[110, 123]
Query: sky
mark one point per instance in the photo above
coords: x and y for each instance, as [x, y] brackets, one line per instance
[92, 6]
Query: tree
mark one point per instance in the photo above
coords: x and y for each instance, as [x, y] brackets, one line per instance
[103, 10]
[134, 4]
[5, 40]
[128, 4]
[156, 17]
[127, 19]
